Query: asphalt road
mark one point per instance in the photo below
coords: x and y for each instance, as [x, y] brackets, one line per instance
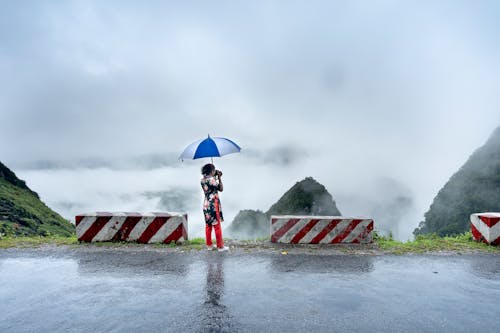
[67, 290]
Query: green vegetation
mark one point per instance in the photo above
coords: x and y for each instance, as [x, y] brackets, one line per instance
[307, 197]
[36, 241]
[195, 241]
[23, 214]
[433, 243]
[192, 244]
[475, 188]
[10, 177]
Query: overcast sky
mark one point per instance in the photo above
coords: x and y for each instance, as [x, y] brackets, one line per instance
[375, 99]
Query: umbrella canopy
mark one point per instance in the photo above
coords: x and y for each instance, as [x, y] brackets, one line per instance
[209, 147]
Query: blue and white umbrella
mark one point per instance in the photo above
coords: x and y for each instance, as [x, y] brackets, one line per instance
[209, 147]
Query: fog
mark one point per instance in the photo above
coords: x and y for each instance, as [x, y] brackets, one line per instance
[380, 101]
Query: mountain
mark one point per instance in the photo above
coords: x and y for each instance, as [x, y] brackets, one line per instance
[472, 189]
[249, 224]
[307, 197]
[22, 213]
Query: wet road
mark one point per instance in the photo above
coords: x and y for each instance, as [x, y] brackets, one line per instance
[137, 291]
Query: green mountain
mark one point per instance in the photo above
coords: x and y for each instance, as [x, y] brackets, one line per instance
[22, 213]
[307, 197]
[472, 189]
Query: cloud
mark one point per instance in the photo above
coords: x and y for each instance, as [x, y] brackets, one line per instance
[389, 202]
[138, 162]
[174, 200]
[280, 156]
[346, 92]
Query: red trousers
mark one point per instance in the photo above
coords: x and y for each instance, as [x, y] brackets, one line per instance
[218, 235]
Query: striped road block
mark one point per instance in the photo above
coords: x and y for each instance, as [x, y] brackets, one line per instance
[132, 227]
[320, 229]
[485, 227]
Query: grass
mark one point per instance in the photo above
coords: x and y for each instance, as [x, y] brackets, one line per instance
[434, 243]
[31, 216]
[36, 241]
[196, 241]
[422, 243]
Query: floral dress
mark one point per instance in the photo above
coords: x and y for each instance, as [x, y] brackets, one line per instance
[211, 204]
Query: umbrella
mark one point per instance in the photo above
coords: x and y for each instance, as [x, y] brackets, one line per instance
[209, 147]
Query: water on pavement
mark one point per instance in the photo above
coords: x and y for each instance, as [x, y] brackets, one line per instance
[137, 291]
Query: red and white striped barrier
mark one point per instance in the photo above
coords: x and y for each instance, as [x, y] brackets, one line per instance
[320, 229]
[485, 227]
[132, 227]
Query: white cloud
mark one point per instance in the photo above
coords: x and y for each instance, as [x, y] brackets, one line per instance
[367, 89]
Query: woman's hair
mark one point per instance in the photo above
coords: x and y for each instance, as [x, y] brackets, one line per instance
[207, 169]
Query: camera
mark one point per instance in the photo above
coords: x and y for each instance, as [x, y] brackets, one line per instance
[218, 173]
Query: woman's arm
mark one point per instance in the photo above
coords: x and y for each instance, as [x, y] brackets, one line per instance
[221, 186]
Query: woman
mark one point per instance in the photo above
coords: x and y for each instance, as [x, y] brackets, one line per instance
[211, 183]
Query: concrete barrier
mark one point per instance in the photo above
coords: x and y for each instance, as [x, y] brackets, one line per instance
[320, 229]
[485, 227]
[132, 227]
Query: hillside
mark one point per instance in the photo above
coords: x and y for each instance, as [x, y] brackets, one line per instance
[249, 224]
[474, 188]
[22, 213]
[307, 197]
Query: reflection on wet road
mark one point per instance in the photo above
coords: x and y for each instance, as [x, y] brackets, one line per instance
[144, 291]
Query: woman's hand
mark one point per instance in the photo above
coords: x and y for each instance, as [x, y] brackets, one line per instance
[219, 175]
